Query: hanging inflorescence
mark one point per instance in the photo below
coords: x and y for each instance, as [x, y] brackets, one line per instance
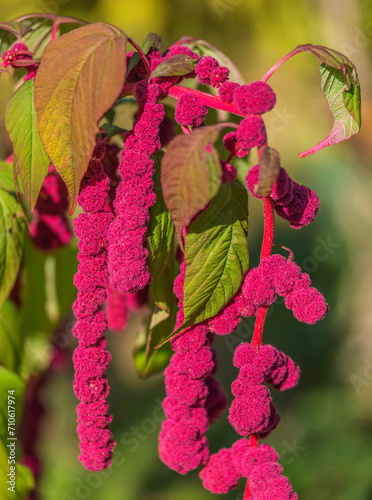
[114, 275]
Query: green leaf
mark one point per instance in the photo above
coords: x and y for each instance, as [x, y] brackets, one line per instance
[147, 359]
[30, 159]
[341, 89]
[24, 479]
[216, 254]
[177, 65]
[80, 76]
[11, 337]
[268, 172]
[160, 235]
[38, 29]
[190, 174]
[12, 232]
[9, 381]
[330, 58]
[344, 104]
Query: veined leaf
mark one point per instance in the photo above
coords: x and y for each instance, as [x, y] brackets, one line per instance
[190, 174]
[177, 65]
[12, 232]
[160, 235]
[344, 105]
[216, 254]
[341, 89]
[80, 76]
[30, 159]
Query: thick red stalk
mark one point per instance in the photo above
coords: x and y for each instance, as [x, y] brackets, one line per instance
[212, 101]
[267, 245]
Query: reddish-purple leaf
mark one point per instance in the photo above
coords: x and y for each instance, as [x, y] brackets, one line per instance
[190, 174]
[81, 75]
[268, 172]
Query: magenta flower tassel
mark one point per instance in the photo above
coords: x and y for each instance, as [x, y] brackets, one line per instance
[91, 357]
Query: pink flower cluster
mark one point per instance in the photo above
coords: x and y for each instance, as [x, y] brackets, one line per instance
[189, 111]
[274, 276]
[259, 464]
[293, 202]
[252, 411]
[254, 99]
[250, 133]
[209, 72]
[277, 275]
[91, 357]
[194, 398]
[19, 52]
[50, 228]
[154, 57]
[135, 195]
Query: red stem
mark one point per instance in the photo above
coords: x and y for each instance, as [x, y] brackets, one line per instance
[272, 70]
[212, 101]
[268, 238]
[142, 55]
[54, 31]
[267, 245]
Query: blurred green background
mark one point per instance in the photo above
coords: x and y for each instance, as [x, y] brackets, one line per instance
[325, 437]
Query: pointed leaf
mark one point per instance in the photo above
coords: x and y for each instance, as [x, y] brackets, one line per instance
[190, 174]
[80, 76]
[177, 65]
[31, 161]
[216, 254]
[344, 105]
[12, 232]
[268, 172]
[160, 233]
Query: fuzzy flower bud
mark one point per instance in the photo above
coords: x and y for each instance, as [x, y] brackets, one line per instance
[255, 98]
[189, 111]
